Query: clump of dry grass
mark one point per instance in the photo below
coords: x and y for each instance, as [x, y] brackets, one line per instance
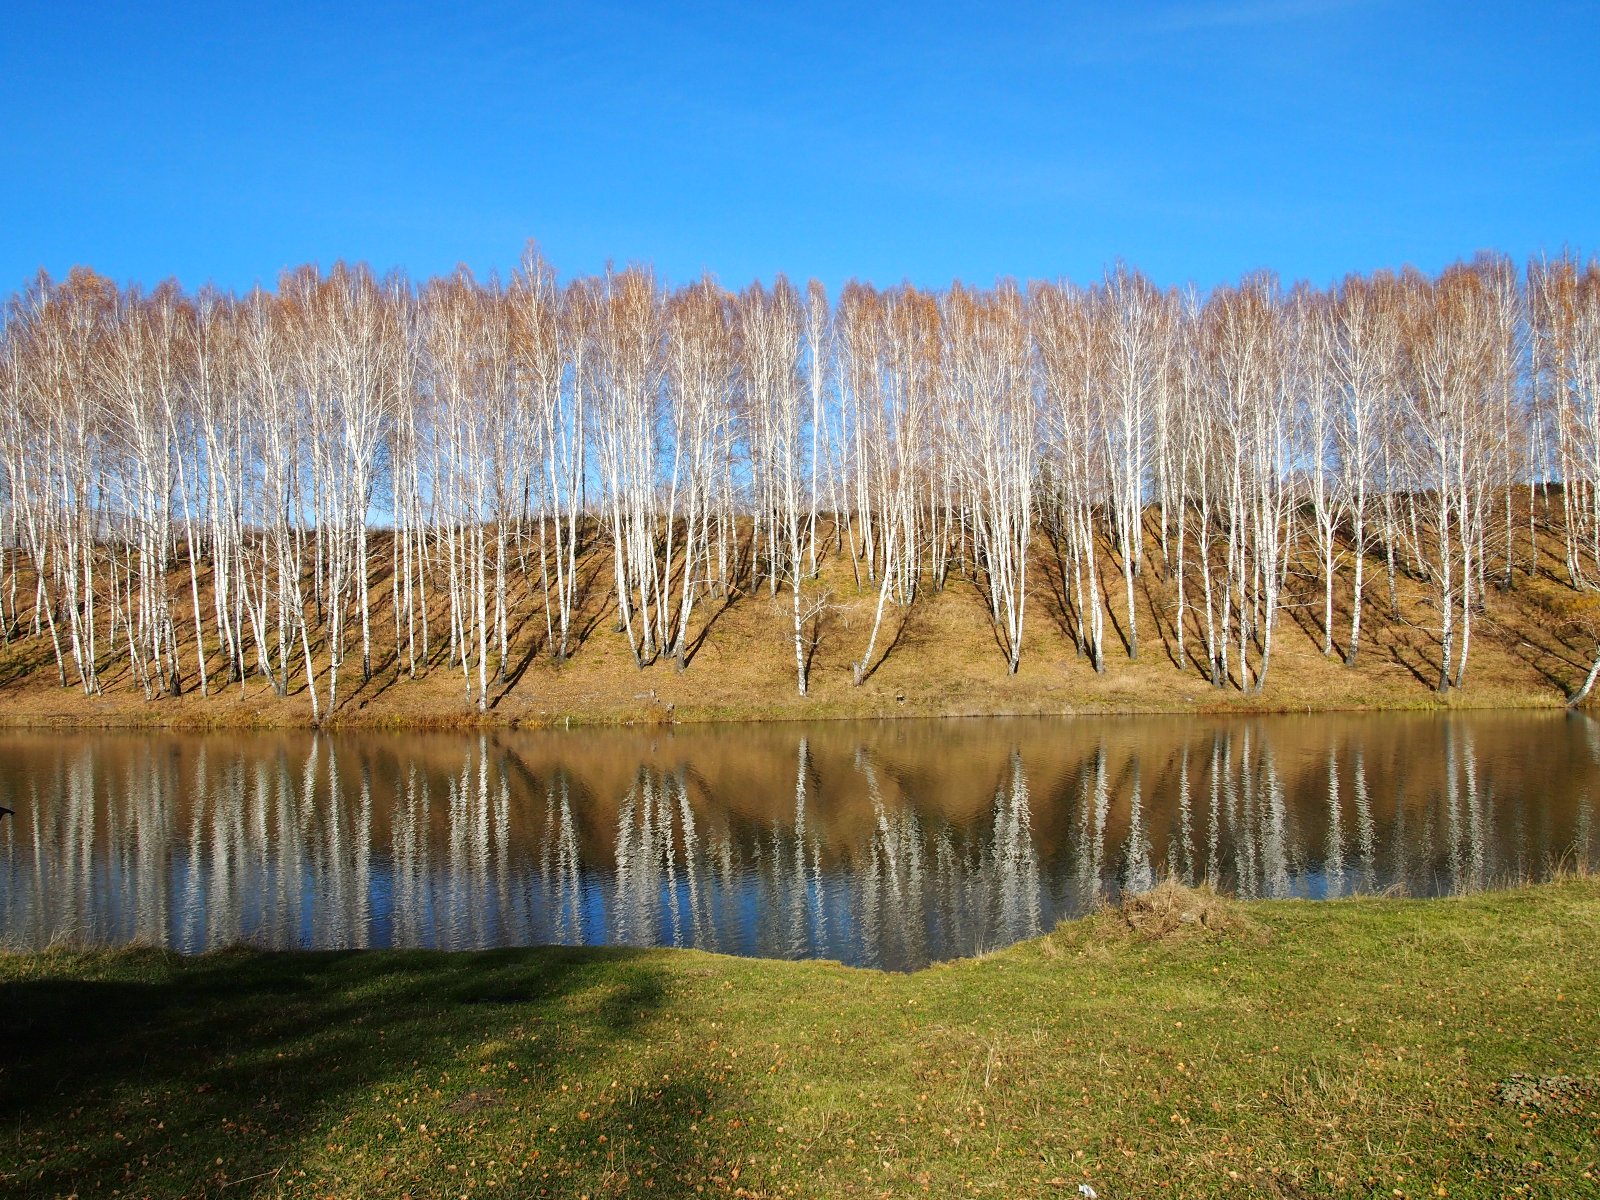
[1173, 910]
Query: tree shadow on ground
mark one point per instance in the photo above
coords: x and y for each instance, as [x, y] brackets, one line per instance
[695, 644]
[1304, 606]
[1060, 608]
[820, 626]
[1553, 658]
[541, 641]
[1116, 626]
[908, 632]
[1421, 660]
[232, 1070]
[1163, 623]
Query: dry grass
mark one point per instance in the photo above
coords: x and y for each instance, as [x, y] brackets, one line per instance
[938, 657]
[1173, 911]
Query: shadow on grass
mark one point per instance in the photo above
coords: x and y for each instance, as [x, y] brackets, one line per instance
[228, 1074]
[909, 633]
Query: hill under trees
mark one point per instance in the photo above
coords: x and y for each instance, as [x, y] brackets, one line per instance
[612, 500]
[938, 655]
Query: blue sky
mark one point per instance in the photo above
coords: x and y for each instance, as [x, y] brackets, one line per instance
[923, 141]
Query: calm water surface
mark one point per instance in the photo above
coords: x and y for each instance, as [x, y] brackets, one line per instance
[888, 844]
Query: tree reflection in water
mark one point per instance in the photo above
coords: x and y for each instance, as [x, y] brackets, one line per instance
[882, 844]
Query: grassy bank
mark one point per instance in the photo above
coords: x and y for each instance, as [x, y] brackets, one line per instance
[1368, 1047]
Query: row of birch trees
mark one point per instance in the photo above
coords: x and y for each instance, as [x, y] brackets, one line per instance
[207, 489]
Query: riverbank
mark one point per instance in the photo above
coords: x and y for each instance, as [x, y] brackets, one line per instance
[939, 657]
[1363, 1047]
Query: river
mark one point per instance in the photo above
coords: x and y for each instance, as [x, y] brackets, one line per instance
[889, 844]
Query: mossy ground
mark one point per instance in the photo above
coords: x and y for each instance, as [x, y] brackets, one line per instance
[1356, 1048]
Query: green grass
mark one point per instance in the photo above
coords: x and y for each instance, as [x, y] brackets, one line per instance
[1367, 1047]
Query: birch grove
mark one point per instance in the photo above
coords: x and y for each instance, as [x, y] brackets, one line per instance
[312, 487]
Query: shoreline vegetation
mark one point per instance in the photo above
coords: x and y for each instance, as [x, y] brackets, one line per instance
[363, 501]
[1180, 1042]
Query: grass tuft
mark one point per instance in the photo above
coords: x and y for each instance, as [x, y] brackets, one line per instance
[1172, 910]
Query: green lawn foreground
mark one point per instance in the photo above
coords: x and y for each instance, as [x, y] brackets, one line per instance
[1364, 1047]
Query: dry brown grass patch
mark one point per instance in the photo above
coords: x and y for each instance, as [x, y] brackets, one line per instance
[1172, 910]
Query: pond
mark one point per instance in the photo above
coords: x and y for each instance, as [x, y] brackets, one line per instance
[889, 844]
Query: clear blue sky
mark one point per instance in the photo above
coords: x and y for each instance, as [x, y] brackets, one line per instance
[922, 141]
